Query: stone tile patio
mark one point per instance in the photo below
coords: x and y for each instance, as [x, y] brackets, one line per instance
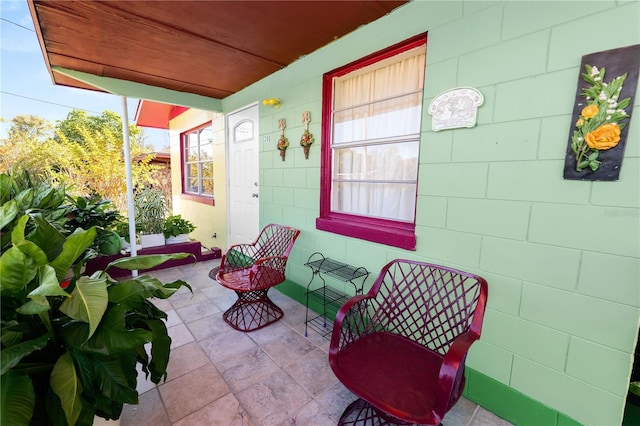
[272, 376]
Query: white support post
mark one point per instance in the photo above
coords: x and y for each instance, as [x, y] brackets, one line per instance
[127, 162]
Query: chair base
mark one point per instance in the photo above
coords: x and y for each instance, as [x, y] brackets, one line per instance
[361, 413]
[252, 310]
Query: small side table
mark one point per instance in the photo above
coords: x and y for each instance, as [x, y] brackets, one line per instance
[330, 299]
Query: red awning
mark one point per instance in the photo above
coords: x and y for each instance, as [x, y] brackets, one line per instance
[156, 114]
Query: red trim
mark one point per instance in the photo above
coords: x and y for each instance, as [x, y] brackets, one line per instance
[380, 55]
[187, 195]
[376, 232]
[396, 234]
[210, 201]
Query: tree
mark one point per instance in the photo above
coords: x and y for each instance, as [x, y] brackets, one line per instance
[107, 122]
[97, 166]
[86, 153]
[93, 146]
[30, 127]
[27, 146]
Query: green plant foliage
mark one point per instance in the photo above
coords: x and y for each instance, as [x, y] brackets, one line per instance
[17, 399]
[70, 346]
[84, 151]
[21, 194]
[150, 210]
[87, 212]
[175, 225]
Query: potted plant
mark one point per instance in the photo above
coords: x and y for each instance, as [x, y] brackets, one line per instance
[176, 229]
[150, 212]
[86, 212]
[122, 229]
[70, 346]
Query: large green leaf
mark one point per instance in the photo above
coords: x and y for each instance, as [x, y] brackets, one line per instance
[16, 270]
[11, 356]
[156, 288]
[53, 414]
[113, 380]
[17, 399]
[17, 234]
[29, 248]
[146, 310]
[24, 199]
[46, 236]
[129, 294]
[37, 305]
[49, 284]
[160, 350]
[73, 247]
[175, 285]
[146, 261]
[8, 212]
[111, 338]
[65, 383]
[88, 302]
[9, 336]
[112, 377]
[46, 198]
[32, 250]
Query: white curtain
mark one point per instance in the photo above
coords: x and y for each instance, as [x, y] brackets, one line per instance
[377, 113]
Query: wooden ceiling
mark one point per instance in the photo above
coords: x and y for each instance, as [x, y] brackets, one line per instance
[210, 48]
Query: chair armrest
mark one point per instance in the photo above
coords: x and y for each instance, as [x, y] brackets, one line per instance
[451, 376]
[350, 323]
[273, 262]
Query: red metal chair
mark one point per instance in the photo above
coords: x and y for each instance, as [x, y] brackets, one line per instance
[251, 270]
[401, 348]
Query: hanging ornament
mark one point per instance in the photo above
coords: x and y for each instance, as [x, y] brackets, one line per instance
[283, 143]
[307, 138]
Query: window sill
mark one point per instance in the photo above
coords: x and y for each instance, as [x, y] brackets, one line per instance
[403, 238]
[210, 201]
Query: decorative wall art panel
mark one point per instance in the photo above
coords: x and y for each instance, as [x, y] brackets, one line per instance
[601, 114]
[455, 108]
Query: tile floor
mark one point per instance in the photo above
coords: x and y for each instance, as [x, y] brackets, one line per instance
[272, 376]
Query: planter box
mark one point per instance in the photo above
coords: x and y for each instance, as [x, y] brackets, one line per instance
[193, 247]
[182, 238]
[151, 240]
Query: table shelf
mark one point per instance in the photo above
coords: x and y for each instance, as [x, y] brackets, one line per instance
[329, 298]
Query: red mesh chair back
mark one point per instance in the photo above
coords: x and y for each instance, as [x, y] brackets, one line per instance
[251, 270]
[411, 303]
[274, 241]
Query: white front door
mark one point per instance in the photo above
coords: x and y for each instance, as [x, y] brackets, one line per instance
[242, 170]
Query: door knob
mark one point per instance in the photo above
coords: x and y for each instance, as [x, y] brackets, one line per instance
[254, 195]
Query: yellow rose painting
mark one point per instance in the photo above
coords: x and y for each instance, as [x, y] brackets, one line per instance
[604, 137]
[599, 125]
[589, 111]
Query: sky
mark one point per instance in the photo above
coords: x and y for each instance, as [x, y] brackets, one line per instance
[26, 88]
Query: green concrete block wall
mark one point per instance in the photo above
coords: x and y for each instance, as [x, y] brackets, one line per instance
[562, 258]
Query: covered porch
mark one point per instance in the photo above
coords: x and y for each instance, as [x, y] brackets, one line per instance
[271, 376]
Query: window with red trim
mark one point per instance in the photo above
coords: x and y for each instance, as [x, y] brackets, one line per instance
[372, 110]
[197, 162]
